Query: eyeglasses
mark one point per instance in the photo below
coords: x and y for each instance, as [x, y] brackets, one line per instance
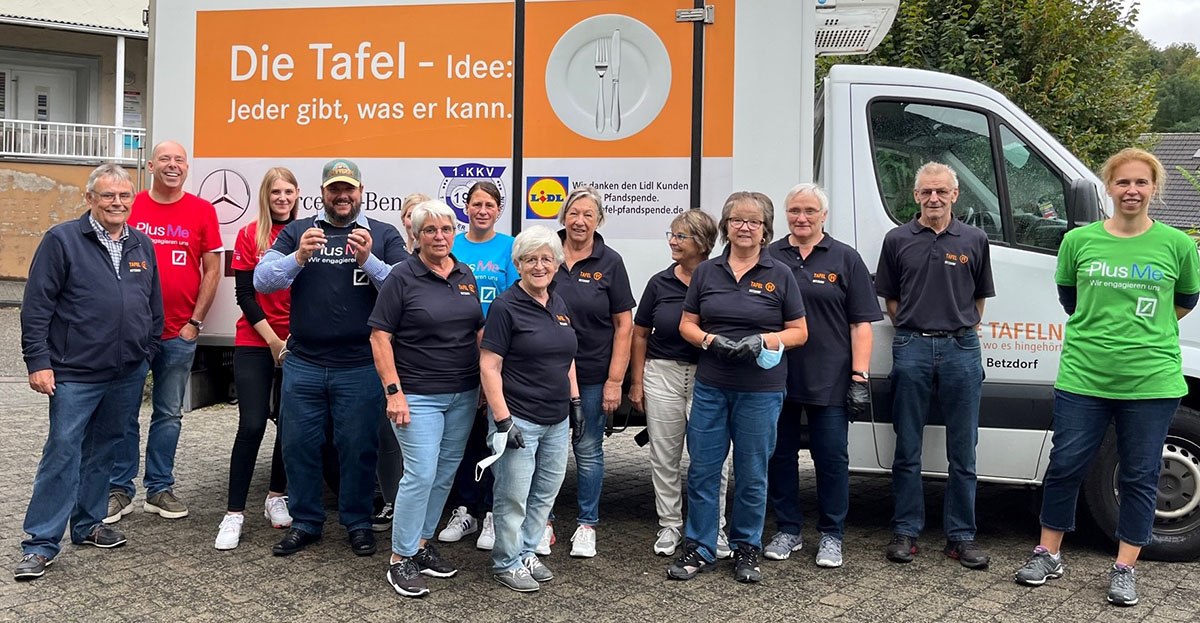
[680, 237]
[926, 193]
[753, 224]
[447, 230]
[809, 212]
[530, 260]
[108, 197]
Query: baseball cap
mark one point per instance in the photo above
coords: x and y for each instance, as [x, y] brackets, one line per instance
[340, 170]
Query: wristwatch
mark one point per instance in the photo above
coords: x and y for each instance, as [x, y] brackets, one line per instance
[704, 341]
[199, 324]
[866, 377]
[392, 389]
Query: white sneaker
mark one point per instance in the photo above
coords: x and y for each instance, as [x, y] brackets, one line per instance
[276, 512]
[543, 548]
[668, 539]
[230, 532]
[583, 544]
[487, 534]
[461, 524]
[723, 550]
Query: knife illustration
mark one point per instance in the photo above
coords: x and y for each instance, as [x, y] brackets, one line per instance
[615, 115]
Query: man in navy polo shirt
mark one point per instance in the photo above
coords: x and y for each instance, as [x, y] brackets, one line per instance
[934, 273]
[90, 323]
[334, 263]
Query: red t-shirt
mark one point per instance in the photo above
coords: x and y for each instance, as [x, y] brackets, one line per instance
[182, 233]
[276, 305]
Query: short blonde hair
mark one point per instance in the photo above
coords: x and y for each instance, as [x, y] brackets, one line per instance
[1132, 154]
[699, 224]
[580, 193]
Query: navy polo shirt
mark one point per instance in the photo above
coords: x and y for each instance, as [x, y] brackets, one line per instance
[434, 322]
[761, 302]
[935, 277]
[837, 292]
[595, 289]
[537, 344]
[333, 297]
[659, 310]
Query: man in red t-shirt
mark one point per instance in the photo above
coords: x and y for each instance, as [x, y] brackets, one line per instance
[187, 243]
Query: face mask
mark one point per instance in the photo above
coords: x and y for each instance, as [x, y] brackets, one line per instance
[498, 443]
[768, 358]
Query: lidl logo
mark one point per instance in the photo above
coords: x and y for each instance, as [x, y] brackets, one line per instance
[544, 196]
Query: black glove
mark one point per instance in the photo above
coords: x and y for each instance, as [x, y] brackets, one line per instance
[575, 413]
[724, 348]
[515, 440]
[858, 397]
[748, 348]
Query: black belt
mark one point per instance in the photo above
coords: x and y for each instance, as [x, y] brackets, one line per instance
[955, 333]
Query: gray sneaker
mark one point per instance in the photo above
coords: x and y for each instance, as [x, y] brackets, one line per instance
[723, 549]
[119, 505]
[829, 551]
[1122, 586]
[1040, 567]
[537, 570]
[166, 505]
[782, 545]
[517, 579]
[668, 540]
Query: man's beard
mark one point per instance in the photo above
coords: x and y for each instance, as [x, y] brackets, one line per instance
[338, 221]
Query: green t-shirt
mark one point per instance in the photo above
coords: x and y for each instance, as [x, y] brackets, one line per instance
[1122, 341]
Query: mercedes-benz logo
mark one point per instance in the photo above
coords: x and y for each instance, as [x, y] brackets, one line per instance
[229, 193]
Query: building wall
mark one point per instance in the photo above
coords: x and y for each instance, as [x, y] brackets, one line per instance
[125, 14]
[33, 198]
[101, 46]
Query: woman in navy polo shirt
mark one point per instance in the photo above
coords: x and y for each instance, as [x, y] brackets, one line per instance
[528, 369]
[662, 368]
[593, 282]
[429, 309]
[826, 378]
[743, 309]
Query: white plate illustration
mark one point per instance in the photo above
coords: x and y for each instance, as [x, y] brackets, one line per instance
[572, 81]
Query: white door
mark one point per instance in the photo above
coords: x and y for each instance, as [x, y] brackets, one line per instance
[43, 94]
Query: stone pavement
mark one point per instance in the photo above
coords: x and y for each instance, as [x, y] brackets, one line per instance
[169, 570]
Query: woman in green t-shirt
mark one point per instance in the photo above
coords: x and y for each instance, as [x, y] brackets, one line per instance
[1125, 282]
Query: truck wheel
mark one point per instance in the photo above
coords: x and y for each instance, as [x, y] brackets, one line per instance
[1177, 514]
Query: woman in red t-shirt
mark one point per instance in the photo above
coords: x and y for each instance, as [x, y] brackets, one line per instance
[261, 335]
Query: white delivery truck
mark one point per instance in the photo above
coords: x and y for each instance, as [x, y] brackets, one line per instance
[689, 102]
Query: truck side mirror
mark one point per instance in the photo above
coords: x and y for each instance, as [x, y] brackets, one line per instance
[1083, 205]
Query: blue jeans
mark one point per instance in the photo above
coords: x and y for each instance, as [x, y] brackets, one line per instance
[171, 368]
[87, 421]
[314, 397]
[827, 432]
[589, 454]
[432, 446]
[943, 373]
[720, 416]
[1080, 423]
[527, 481]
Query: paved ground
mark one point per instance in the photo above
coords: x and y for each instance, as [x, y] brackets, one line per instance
[169, 571]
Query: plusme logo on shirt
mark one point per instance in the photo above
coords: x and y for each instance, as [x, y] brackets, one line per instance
[179, 257]
[1146, 307]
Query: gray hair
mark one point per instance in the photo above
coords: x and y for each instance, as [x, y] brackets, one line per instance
[582, 192]
[430, 209]
[534, 239]
[811, 190]
[933, 168]
[108, 171]
[760, 201]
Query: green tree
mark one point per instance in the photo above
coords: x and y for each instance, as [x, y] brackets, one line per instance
[1067, 63]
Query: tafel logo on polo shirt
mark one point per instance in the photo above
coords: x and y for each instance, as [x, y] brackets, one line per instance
[825, 277]
[756, 287]
[563, 320]
[466, 289]
[137, 267]
[953, 259]
[588, 277]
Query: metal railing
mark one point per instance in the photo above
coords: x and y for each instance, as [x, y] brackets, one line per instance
[71, 142]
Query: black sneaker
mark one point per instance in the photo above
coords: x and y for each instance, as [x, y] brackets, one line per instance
[689, 563]
[381, 521]
[103, 536]
[902, 548]
[745, 564]
[31, 566]
[430, 562]
[967, 553]
[405, 577]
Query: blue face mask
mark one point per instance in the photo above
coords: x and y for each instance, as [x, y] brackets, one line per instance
[768, 358]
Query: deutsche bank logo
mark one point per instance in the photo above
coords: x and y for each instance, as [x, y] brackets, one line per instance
[179, 258]
[487, 294]
[360, 277]
[1146, 307]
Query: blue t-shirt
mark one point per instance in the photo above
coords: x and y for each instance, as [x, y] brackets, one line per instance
[491, 262]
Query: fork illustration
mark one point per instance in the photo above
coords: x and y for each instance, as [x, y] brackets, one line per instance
[601, 68]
